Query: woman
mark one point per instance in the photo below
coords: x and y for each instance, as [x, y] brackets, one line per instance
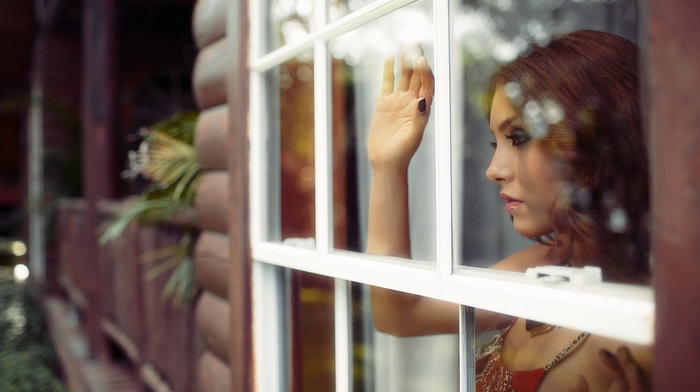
[571, 162]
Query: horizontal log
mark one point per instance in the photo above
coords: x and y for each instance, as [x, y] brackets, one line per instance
[208, 21]
[212, 320]
[212, 201]
[213, 375]
[210, 75]
[210, 138]
[211, 262]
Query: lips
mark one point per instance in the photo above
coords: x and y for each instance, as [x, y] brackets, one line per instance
[511, 203]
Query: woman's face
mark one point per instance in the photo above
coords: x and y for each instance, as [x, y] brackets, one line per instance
[529, 176]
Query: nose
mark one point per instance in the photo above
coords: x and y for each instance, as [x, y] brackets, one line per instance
[499, 171]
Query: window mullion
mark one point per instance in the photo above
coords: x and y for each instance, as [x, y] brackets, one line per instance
[343, 337]
[270, 328]
[323, 141]
[443, 150]
[467, 349]
[323, 158]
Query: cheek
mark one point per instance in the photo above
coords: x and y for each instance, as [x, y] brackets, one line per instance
[544, 175]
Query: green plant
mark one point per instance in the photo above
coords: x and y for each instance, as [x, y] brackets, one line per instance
[28, 361]
[167, 158]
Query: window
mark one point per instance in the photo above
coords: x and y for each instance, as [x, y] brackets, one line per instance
[315, 70]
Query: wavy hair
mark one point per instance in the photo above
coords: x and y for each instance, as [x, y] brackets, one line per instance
[583, 90]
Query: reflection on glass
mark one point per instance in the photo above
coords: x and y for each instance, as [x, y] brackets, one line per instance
[289, 21]
[487, 34]
[290, 113]
[340, 8]
[357, 59]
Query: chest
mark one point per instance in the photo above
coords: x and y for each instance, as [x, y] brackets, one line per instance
[565, 354]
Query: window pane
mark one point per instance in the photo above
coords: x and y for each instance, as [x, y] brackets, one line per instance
[363, 349]
[486, 35]
[340, 8]
[290, 180]
[358, 59]
[312, 326]
[386, 363]
[289, 22]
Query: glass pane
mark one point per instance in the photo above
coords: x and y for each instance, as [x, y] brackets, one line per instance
[289, 22]
[290, 116]
[340, 8]
[312, 327]
[409, 364]
[363, 349]
[358, 59]
[486, 35]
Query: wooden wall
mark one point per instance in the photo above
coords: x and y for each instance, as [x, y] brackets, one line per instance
[212, 256]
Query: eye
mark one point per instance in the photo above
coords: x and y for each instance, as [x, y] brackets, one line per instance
[518, 137]
[493, 144]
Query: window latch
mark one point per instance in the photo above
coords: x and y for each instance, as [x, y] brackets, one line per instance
[304, 243]
[556, 274]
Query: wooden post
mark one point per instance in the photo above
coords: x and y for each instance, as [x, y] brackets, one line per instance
[99, 174]
[672, 61]
[241, 356]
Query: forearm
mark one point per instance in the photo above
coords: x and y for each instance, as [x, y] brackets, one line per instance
[388, 223]
[396, 312]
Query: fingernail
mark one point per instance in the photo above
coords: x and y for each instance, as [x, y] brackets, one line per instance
[607, 354]
[421, 105]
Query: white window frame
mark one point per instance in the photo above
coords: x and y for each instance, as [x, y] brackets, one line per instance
[628, 310]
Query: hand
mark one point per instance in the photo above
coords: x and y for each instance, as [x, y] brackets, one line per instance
[398, 123]
[628, 376]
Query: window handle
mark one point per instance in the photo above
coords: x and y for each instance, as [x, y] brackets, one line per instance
[556, 274]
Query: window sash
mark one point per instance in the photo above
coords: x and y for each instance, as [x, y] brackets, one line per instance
[628, 310]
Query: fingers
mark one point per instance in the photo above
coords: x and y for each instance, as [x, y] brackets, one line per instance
[388, 76]
[427, 80]
[635, 377]
[406, 72]
[416, 77]
[628, 376]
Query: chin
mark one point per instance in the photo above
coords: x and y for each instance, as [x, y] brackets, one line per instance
[530, 230]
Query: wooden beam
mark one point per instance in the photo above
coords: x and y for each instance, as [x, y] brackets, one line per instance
[240, 292]
[97, 114]
[673, 97]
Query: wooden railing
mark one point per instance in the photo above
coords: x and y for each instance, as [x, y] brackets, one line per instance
[158, 338]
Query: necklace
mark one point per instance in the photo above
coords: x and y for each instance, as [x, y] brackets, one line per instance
[537, 328]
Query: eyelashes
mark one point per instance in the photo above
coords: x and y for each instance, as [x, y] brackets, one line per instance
[517, 138]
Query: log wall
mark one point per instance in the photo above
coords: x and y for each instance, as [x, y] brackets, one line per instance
[212, 256]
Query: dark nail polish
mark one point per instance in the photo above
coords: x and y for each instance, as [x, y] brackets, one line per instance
[421, 105]
[607, 354]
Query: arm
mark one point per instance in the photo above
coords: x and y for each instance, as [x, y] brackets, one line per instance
[395, 134]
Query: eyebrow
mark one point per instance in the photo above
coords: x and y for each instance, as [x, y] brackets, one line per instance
[506, 123]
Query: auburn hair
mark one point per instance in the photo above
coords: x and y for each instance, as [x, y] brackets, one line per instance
[590, 81]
